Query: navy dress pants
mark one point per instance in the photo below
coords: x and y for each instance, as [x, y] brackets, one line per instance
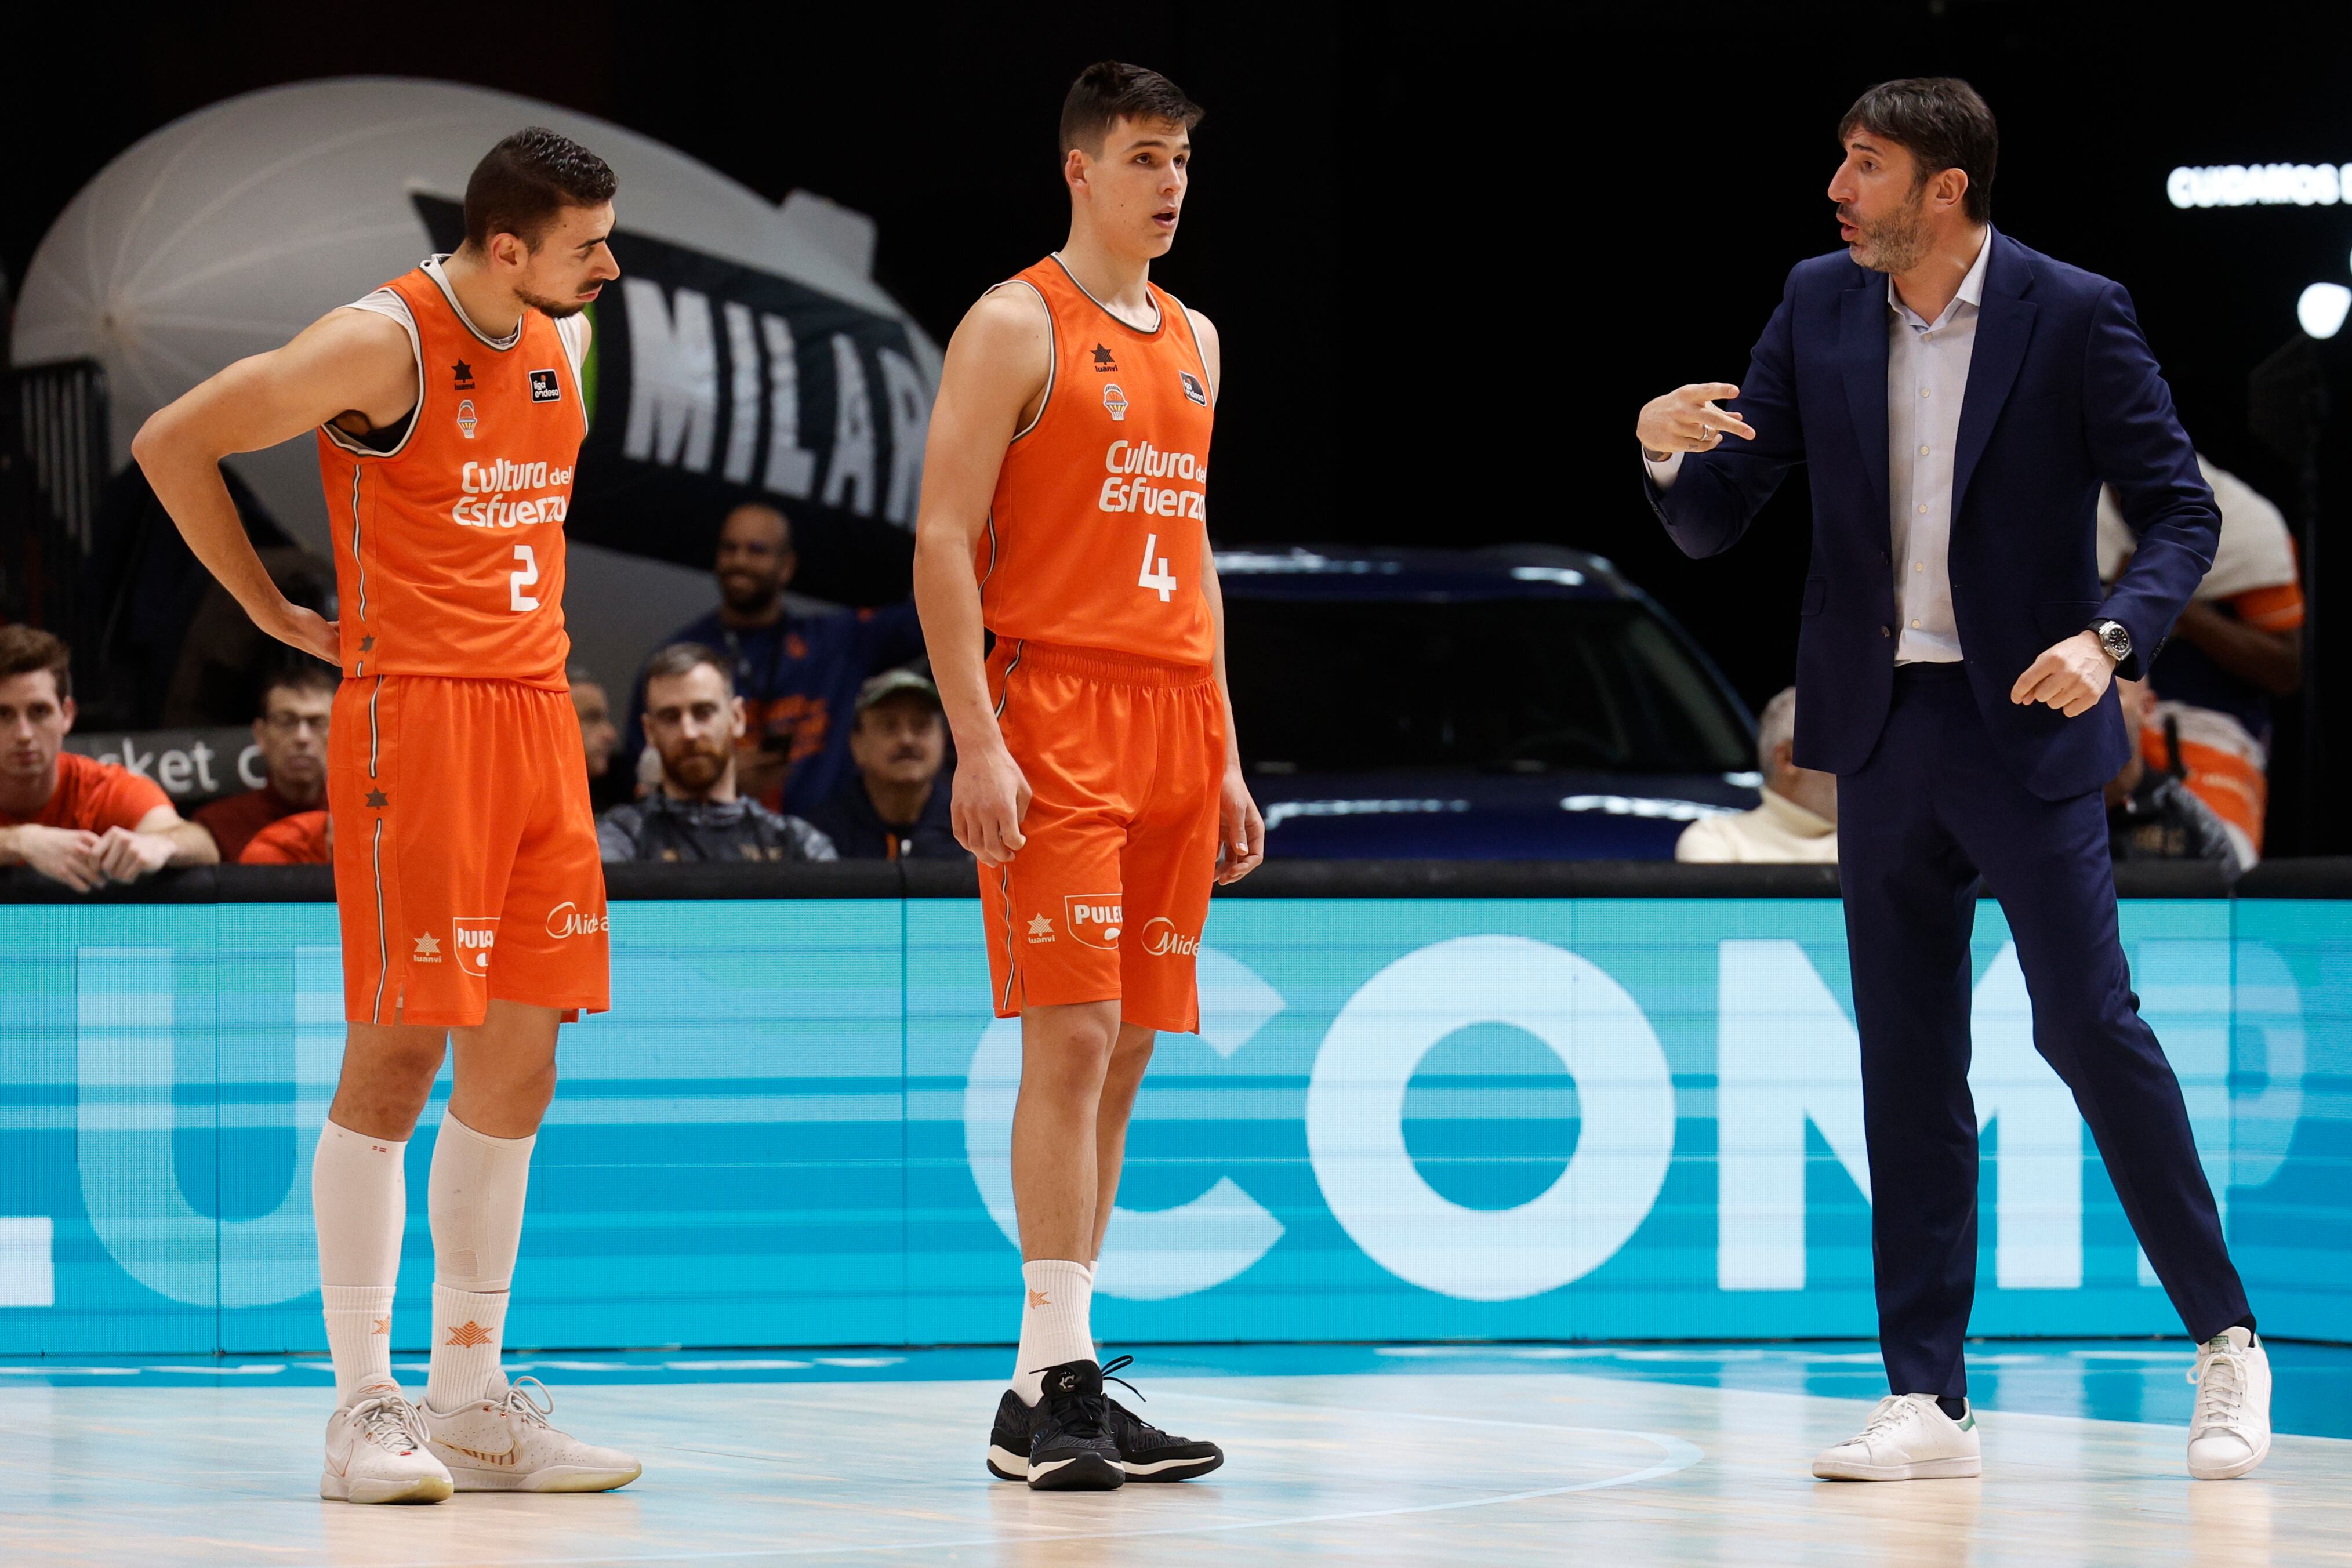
[1931, 809]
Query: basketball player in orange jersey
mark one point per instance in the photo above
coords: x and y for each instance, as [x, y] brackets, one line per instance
[1097, 777]
[449, 417]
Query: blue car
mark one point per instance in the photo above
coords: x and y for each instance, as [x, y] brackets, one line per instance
[1523, 702]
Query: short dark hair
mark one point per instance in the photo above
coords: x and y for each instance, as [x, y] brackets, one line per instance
[679, 658]
[1946, 125]
[297, 675]
[26, 649]
[524, 182]
[1107, 92]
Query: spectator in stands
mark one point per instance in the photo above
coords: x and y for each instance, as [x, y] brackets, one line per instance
[305, 838]
[2237, 645]
[798, 675]
[893, 808]
[693, 719]
[598, 737]
[1798, 818]
[72, 818]
[291, 731]
[2151, 814]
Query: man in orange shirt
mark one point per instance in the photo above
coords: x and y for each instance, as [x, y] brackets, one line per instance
[291, 731]
[305, 838]
[73, 818]
[1097, 775]
[448, 410]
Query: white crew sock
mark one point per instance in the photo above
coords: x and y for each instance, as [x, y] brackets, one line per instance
[1057, 1296]
[475, 1197]
[359, 1201]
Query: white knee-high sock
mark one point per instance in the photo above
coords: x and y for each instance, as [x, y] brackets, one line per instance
[1057, 1295]
[359, 1201]
[476, 1196]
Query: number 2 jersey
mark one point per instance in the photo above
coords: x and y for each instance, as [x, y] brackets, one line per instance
[1095, 534]
[448, 527]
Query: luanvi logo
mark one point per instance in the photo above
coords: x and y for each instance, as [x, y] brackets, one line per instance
[464, 377]
[1103, 360]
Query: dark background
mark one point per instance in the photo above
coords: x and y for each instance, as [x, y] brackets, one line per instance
[1451, 249]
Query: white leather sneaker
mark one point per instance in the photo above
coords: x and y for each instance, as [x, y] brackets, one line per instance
[505, 1445]
[1907, 1438]
[376, 1453]
[2231, 1432]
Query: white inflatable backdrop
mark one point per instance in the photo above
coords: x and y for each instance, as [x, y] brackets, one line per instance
[226, 232]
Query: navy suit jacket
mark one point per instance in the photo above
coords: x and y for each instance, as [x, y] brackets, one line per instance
[2063, 394]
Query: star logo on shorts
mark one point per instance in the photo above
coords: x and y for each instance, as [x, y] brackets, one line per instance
[367, 645]
[1039, 1298]
[427, 946]
[1041, 926]
[469, 1334]
[377, 800]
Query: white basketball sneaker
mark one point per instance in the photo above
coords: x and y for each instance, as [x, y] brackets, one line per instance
[376, 1453]
[2231, 1432]
[504, 1445]
[1907, 1438]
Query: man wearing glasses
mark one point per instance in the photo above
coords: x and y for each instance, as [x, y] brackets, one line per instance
[291, 731]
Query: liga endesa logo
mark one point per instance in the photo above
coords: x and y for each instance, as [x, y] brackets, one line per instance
[1163, 940]
[565, 919]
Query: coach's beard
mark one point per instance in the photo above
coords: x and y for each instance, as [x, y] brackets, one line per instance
[1895, 244]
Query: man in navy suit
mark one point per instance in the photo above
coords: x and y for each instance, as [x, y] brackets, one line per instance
[1957, 400]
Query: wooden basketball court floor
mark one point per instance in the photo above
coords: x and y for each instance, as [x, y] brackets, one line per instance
[1407, 1455]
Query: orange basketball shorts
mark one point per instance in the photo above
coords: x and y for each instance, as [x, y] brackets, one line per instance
[1106, 898]
[466, 862]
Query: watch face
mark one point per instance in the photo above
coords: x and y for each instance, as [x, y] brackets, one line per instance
[2118, 640]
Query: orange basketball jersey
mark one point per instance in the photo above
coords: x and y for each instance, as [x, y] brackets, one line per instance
[1096, 531]
[448, 530]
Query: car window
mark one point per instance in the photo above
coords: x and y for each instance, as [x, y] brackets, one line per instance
[1514, 685]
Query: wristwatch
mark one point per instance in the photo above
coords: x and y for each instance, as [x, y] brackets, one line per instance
[2115, 638]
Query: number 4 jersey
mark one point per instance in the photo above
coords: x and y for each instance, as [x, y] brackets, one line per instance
[449, 526]
[1096, 531]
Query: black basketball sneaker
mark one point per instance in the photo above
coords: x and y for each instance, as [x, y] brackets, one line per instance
[1063, 1442]
[1145, 1452]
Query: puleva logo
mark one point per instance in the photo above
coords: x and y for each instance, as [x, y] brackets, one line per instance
[1113, 399]
[1093, 919]
[466, 420]
[1163, 940]
[566, 921]
[473, 936]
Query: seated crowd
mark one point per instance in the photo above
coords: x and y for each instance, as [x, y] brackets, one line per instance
[764, 733]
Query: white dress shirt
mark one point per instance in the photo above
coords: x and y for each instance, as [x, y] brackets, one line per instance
[1926, 376]
[1780, 831]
